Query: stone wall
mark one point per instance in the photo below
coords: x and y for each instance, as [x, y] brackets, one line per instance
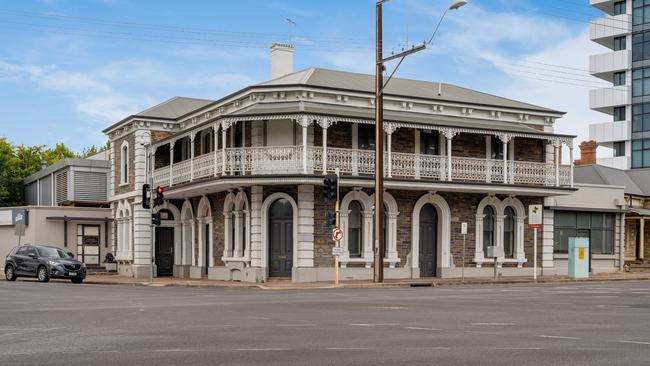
[527, 149]
[468, 146]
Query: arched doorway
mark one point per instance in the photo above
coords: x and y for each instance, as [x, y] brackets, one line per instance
[165, 245]
[280, 238]
[428, 241]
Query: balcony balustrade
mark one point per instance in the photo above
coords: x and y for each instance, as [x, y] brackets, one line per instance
[288, 160]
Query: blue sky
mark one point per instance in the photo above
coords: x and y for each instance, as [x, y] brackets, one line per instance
[69, 68]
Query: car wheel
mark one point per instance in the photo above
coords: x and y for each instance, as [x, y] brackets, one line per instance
[77, 280]
[10, 273]
[43, 276]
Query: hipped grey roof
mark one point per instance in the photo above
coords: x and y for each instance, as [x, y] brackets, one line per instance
[636, 182]
[269, 108]
[174, 108]
[170, 109]
[333, 79]
[87, 163]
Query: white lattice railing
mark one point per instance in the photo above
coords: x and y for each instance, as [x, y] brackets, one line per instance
[524, 172]
[204, 166]
[478, 170]
[161, 176]
[289, 160]
[181, 172]
[264, 160]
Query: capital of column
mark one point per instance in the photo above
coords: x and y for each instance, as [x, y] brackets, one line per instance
[324, 122]
[304, 121]
[449, 133]
[389, 128]
[505, 137]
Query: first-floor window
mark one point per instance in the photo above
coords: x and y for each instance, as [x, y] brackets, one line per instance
[619, 148]
[488, 228]
[597, 226]
[355, 230]
[509, 232]
[366, 137]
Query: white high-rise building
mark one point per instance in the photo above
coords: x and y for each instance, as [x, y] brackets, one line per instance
[621, 31]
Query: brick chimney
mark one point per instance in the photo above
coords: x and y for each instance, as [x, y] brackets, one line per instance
[587, 153]
[281, 60]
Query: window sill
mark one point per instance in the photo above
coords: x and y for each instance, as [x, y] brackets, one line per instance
[603, 256]
[560, 256]
[500, 260]
[123, 184]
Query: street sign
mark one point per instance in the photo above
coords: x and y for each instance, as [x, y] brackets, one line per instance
[463, 228]
[337, 234]
[535, 216]
[337, 251]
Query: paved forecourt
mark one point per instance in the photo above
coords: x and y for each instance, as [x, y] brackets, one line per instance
[578, 324]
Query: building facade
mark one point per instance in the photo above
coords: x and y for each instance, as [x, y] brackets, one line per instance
[244, 180]
[625, 32]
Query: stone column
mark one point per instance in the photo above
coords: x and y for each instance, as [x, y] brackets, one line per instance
[238, 250]
[224, 128]
[557, 163]
[256, 226]
[449, 135]
[215, 138]
[305, 226]
[140, 223]
[642, 239]
[389, 129]
[227, 235]
[505, 139]
[571, 163]
[499, 236]
[171, 162]
[368, 242]
[192, 137]
[324, 124]
[304, 123]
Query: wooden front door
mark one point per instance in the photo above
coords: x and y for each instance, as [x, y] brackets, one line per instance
[280, 238]
[428, 241]
[165, 251]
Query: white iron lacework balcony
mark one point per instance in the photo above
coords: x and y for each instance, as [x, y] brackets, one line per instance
[289, 160]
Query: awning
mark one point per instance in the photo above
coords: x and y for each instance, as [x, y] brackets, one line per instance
[640, 211]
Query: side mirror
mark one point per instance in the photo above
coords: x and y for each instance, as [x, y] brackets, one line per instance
[71, 255]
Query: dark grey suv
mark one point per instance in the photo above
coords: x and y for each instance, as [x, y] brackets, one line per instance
[43, 262]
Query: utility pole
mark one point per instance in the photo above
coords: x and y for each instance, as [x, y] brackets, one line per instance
[380, 85]
[379, 152]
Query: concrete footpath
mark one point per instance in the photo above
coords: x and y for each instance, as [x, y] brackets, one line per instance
[113, 279]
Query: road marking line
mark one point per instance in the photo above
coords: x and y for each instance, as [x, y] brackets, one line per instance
[497, 324]
[374, 325]
[557, 337]
[347, 348]
[296, 325]
[260, 349]
[418, 328]
[635, 342]
[175, 350]
[478, 332]
[516, 348]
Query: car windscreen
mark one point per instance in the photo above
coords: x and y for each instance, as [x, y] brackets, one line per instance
[52, 252]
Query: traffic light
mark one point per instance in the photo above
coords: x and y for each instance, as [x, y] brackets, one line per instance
[331, 218]
[331, 186]
[146, 196]
[155, 218]
[159, 196]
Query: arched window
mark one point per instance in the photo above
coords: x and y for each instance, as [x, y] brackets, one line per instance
[488, 228]
[355, 230]
[124, 163]
[509, 232]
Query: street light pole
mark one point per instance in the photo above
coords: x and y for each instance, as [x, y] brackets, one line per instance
[379, 247]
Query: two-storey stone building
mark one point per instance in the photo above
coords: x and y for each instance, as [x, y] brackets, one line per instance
[243, 178]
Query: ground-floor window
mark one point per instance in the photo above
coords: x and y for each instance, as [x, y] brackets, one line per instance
[597, 226]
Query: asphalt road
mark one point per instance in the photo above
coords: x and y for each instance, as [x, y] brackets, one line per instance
[559, 324]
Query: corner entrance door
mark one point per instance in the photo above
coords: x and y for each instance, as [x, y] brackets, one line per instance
[428, 241]
[165, 251]
[280, 237]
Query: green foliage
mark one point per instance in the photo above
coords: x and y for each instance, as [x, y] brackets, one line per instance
[17, 162]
